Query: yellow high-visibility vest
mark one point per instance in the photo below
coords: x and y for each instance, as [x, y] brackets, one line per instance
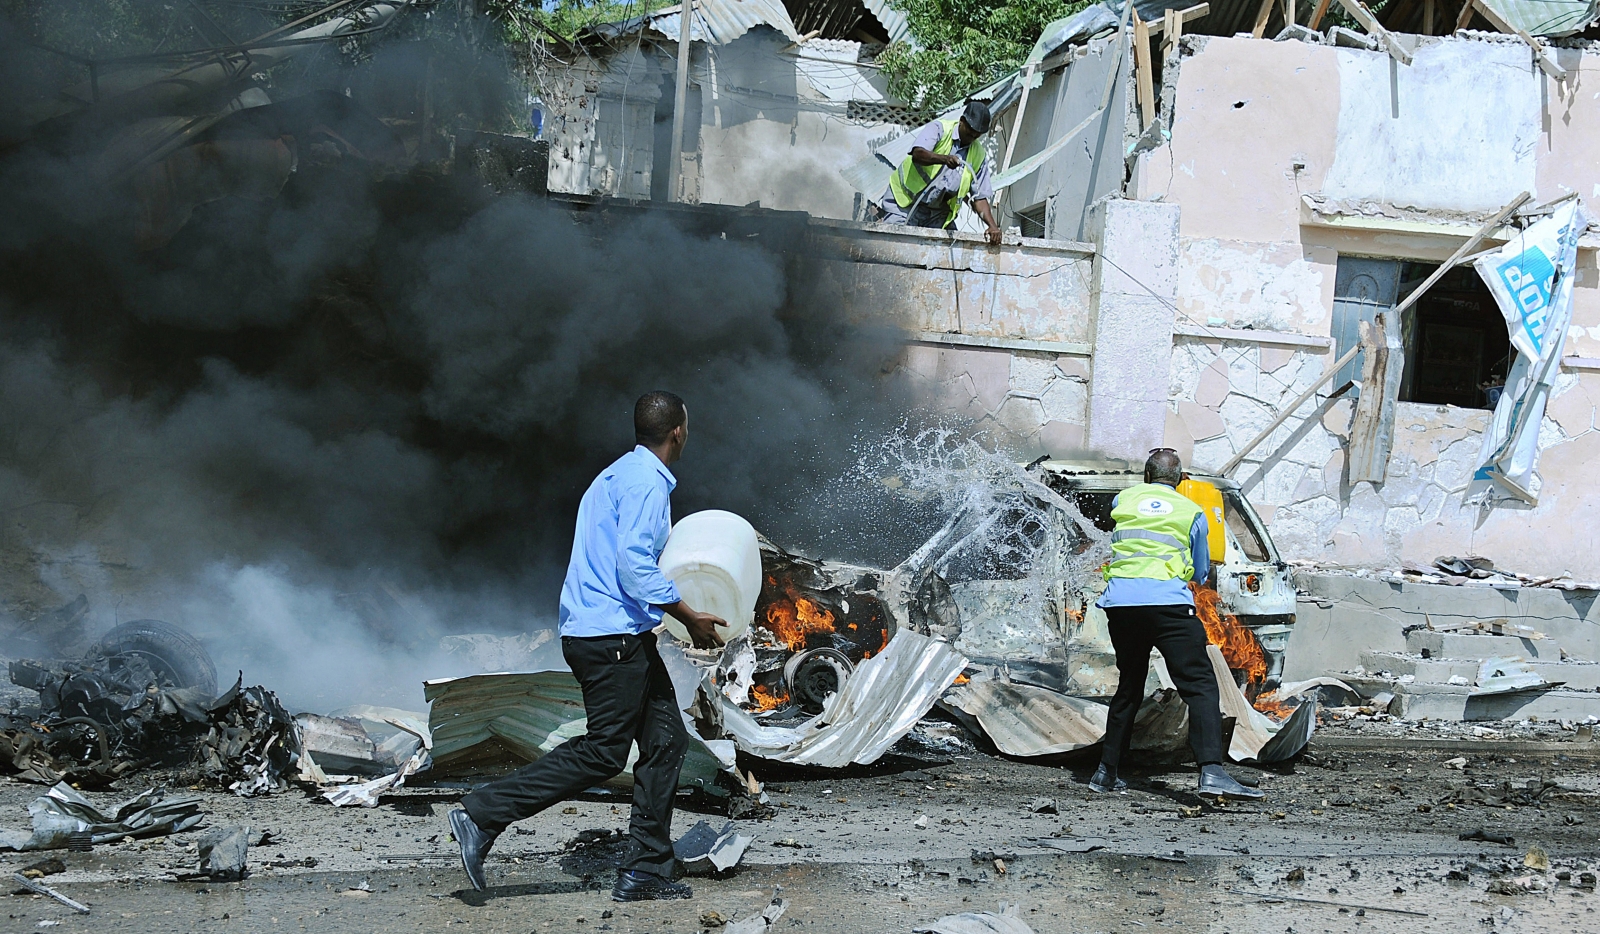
[908, 181]
[1152, 535]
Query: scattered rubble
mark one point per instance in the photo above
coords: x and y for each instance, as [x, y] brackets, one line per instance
[1007, 921]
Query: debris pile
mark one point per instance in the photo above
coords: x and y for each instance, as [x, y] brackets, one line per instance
[144, 696]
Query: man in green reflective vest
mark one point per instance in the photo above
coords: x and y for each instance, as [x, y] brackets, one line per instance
[1158, 547]
[948, 164]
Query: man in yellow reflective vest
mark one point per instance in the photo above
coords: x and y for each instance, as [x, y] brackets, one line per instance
[1158, 547]
[948, 164]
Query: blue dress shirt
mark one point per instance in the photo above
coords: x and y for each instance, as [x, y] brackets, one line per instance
[1143, 591]
[614, 584]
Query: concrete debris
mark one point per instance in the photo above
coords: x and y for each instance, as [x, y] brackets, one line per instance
[62, 813]
[1505, 675]
[761, 923]
[1536, 859]
[882, 700]
[1043, 806]
[223, 853]
[1007, 921]
[705, 851]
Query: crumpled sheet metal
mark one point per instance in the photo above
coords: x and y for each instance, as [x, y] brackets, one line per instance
[366, 793]
[1255, 735]
[878, 704]
[1025, 720]
[1007, 921]
[61, 812]
[1028, 720]
[480, 721]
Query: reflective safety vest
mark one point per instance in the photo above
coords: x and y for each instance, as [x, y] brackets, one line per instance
[908, 181]
[1152, 536]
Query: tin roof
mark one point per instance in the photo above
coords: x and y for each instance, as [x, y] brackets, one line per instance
[718, 22]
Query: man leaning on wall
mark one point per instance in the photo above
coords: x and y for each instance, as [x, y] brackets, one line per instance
[948, 165]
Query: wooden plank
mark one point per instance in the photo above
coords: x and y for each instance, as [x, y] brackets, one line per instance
[1317, 14]
[1464, 18]
[1144, 71]
[1546, 60]
[1489, 227]
[1370, 23]
[1427, 17]
[1173, 32]
[1016, 123]
[1372, 428]
[1261, 18]
[1194, 12]
[1288, 12]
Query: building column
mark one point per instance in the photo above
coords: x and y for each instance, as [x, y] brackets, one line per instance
[1136, 255]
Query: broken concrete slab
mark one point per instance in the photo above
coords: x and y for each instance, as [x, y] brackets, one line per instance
[1575, 676]
[1458, 645]
[1463, 702]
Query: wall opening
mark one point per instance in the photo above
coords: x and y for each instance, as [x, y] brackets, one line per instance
[1456, 344]
[1032, 220]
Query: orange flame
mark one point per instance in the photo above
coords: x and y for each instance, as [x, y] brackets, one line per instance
[766, 699]
[962, 678]
[1239, 646]
[796, 616]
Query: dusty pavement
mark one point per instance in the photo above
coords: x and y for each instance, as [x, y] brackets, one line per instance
[1351, 839]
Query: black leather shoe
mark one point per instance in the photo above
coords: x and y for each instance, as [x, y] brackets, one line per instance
[634, 885]
[1215, 783]
[1104, 779]
[474, 843]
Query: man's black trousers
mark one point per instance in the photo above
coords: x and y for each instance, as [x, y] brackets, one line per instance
[628, 697]
[1181, 637]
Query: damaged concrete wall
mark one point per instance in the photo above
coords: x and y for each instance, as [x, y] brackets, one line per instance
[1285, 156]
[999, 335]
[1090, 167]
[773, 122]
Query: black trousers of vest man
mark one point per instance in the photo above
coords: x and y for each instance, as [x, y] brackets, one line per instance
[1181, 638]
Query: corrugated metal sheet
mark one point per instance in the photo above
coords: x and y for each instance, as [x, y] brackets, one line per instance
[485, 723]
[895, 23]
[718, 22]
[1024, 720]
[878, 704]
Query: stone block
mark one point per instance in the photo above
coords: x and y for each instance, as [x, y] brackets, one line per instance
[1061, 439]
[1202, 423]
[1425, 670]
[1456, 645]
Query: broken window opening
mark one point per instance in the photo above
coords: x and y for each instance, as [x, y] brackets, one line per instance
[1457, 347]
[1245, 533]
[1032, 220]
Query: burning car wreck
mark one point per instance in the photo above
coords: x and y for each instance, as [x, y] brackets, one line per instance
[993, 619]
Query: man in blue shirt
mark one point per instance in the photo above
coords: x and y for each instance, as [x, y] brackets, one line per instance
[1159, 546]
[613, 597]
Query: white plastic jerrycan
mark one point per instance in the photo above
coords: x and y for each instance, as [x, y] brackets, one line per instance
[713, 558]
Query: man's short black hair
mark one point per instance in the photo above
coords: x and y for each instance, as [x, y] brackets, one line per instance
[1164, 466]
[655, 415]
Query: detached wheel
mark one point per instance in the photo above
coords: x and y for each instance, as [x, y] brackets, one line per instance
[171, 652]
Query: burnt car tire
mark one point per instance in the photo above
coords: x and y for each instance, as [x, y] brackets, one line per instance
[169, 650]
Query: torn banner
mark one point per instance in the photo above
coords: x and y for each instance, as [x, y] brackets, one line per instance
[1531, 279]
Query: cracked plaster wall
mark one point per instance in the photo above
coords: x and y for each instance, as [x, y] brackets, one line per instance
[1256, 125]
